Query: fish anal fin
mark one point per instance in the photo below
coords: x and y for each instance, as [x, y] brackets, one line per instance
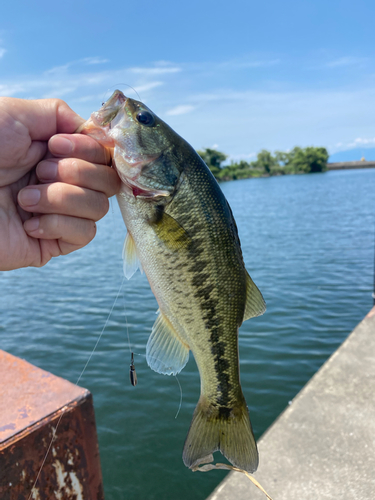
[129, 254]
[229, 431]
[255, 304]
[169, 230]
[166, 353]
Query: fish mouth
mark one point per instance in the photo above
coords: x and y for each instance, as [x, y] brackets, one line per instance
[109, 110]
[99, 123]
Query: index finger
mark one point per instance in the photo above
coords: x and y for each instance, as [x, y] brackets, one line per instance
[42, 117]
[79, 146]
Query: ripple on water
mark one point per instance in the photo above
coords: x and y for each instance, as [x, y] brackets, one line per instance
[308, 244]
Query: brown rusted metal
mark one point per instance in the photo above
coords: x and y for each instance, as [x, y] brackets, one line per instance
[32, 404]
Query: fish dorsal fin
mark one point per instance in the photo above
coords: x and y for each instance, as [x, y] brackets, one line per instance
[165, 351]
[129, 254]
[169, 230]
[255, 304]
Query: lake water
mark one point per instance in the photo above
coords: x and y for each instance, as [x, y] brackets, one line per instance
[308, 243]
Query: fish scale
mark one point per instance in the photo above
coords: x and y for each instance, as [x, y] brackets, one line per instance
[181, 229]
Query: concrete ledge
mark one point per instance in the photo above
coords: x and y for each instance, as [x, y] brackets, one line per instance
[344, 165]
[323, 445]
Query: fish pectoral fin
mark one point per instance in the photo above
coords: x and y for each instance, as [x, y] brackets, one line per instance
[129, 254]
[166, 353]
[169, 230]
[255, 304]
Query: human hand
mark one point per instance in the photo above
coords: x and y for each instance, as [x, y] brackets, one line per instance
[73, 186]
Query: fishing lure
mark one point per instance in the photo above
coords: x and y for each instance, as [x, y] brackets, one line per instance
[132, 373]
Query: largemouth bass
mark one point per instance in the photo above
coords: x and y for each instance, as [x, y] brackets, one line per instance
[181, 230]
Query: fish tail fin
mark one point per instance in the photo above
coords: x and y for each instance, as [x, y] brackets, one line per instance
[219, 428]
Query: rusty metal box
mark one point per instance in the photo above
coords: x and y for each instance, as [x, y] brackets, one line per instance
[47, 436]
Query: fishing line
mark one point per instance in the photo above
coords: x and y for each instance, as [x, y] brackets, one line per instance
[208, 467]
[179, 385]
[112, 208]
[175, 376]
[116, 86]
[126, 321]
[132, 373]
[65, 408]
[101, 333]
[139, 97]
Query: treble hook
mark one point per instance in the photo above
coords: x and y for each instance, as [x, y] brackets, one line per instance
[133, 374]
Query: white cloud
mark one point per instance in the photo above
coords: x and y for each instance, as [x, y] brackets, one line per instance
[248, 121]
[60, 91]
[147, 86]
[260, 64]
[63, 69]
[182, 109]
[59, 81]
[347, 61]
[2, 52]
[11, 89]
[360, 142]
[364, 142]
[206, 110]
[94, 60]
[88, 98]
[158, 70]
[256, 63]
[58, 70]
[243, 156]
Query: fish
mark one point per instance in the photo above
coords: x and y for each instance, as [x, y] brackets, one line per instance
[182, 233]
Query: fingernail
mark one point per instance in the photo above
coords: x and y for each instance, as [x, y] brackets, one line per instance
[31, 224]
[60, 145]
[29, 197]
[47, 170]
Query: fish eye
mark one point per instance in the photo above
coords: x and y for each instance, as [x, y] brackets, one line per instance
[146, 118]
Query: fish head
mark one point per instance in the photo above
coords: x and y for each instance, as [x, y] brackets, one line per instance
[138, 138]
[138, 135]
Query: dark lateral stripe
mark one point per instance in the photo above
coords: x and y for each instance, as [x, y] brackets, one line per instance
[209, 307]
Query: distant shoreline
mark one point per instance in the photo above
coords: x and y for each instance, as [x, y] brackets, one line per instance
[345, 165]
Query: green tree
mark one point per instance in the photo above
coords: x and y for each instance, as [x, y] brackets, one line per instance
[307, 160]
[281, 157]
[240, 170]
[265, 161]
[213, 159]
[296, 161]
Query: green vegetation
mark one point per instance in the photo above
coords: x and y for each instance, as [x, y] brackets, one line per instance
[297, 161]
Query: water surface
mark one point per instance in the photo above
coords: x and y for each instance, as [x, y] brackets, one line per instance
[308, 243]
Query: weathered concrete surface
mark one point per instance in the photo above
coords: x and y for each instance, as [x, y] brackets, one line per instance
[323, 445]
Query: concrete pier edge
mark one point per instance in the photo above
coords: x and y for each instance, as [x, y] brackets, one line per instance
[323, 445]
[348, 165]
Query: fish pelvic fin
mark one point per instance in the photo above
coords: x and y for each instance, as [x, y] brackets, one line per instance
[225, 429]
[130, 257]
[166, 353]
[255, 304]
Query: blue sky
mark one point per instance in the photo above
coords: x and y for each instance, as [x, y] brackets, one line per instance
[240, 76]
